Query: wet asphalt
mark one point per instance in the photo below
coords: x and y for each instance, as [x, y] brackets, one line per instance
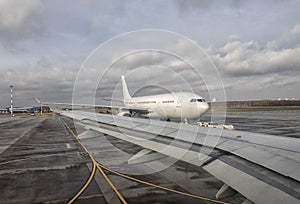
[41, 162]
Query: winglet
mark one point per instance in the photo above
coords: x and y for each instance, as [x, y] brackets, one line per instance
[126, 94]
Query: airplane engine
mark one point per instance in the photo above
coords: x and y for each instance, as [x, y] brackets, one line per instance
[124, 113]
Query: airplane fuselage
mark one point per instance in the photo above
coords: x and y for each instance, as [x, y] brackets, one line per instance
[171, 106]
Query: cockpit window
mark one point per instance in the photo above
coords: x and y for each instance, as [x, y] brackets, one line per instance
[197, 100]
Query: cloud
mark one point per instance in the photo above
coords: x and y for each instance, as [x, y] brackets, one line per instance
[237, 58]
[189, 5]
[288, 40]
[257, 53]
[248, 66]
[42, 79]
[20, 19]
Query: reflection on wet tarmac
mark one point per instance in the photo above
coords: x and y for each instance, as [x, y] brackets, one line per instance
[283, 123]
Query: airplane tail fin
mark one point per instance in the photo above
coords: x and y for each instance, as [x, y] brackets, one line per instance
[126, 94]
[37, 100]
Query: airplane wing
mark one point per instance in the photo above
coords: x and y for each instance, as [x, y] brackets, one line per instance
[120, 108]
[140, 111]
[263, 168]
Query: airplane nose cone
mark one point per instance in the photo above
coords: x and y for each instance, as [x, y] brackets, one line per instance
[203, 108]
[206, 107]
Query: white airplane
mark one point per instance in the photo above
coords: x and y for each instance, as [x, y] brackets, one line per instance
[182, 105]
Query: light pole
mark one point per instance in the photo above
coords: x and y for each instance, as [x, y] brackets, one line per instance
[11, 101]
[40, 105]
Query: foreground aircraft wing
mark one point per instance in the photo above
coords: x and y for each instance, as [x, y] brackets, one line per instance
[263, 168]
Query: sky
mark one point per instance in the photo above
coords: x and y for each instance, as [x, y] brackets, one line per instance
[46, 46]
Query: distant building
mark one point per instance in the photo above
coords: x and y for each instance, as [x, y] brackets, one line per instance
[20, 110]
[4, 110]
[45, 109]
[33, 109]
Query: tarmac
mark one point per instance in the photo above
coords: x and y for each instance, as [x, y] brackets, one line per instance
[42, 162]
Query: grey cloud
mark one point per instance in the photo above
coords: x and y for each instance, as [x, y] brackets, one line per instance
[277, 80]
[238, 58]
[189, 5]
[20, 19]
[249, 58]
[288, 40]
[47, 83]
[271, 86]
